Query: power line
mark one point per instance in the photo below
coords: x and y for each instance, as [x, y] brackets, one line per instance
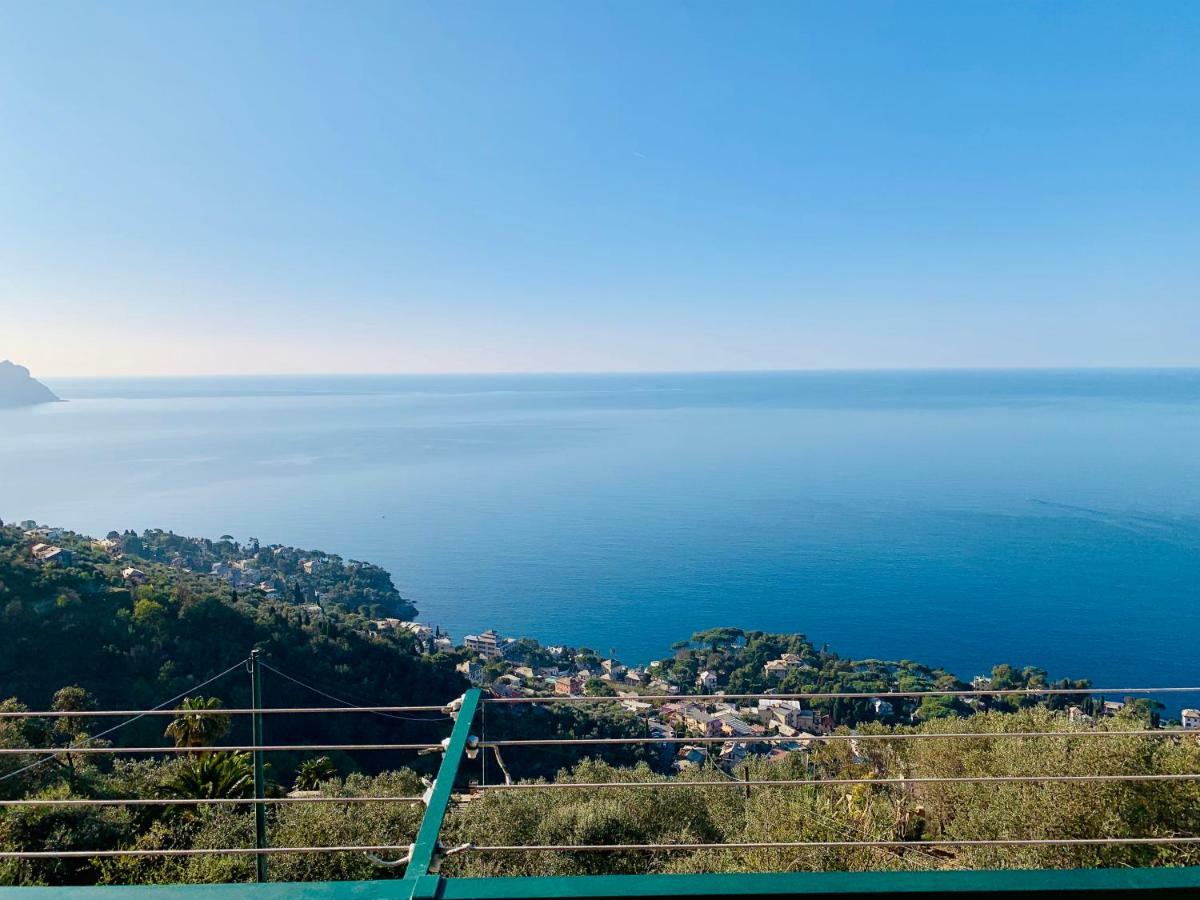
[819, 782]
[779, 845]
[823, 738]
[234, 748]
[329, 696]
[80, 745]
[842, 695]
[201, 801]
[221, 711]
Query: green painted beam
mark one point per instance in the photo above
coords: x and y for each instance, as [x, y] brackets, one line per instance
[425, 846]
[1008, 884]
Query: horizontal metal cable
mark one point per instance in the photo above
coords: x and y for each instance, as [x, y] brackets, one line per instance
[775, 739]
[227, 851]
[843, 695]
[179, 713]
[783, 845]
[202, 801]
[818, 782]
[57, 751]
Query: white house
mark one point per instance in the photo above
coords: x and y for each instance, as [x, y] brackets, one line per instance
[1190, 719]
[486, 644]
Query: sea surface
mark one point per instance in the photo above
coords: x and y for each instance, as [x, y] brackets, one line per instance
[957, 518]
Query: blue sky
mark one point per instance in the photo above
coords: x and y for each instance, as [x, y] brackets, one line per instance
[341, 187]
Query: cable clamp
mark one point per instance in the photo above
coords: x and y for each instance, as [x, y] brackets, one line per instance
[441, 851]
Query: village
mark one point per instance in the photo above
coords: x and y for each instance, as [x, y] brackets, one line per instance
[696, 693]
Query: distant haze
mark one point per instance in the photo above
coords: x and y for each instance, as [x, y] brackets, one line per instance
[513, 187]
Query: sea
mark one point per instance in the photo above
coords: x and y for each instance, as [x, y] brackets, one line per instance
[957, 518]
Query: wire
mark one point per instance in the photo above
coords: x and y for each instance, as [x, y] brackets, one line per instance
[818, 782]
[285, 710]
[235, 748]
[225, 851]
[328, 696]
[79, 746]
[1006, 692]
[204, 801]
[767, 845]
[773, 739]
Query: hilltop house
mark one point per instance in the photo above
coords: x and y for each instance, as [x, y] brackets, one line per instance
[1190, 719]
[46, 553]
[134, 576]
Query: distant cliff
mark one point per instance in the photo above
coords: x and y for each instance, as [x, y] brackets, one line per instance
[18, 388]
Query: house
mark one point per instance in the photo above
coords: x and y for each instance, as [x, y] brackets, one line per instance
[689, 756]
[310, 566]
[416, 629]
[696, 719]
[612, 668]
[1190, 719]
[706, 681]
[881, 707]
[47, 553]
[1111, 707]
[473, 671]
[793, 714]
[733, 752]
[507, 686]
[486, 644]
[568, 684]
[732, 725]
[788, 662]
[134, 576]
[525, 672]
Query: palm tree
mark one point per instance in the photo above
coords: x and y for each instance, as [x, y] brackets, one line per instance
[312, 773]
[197, 727]
[211, 776]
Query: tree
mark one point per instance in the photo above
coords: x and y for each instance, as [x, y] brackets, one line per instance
[198, 726]
[715, 638]
[211, 776]
[312, 773]
[594, 687]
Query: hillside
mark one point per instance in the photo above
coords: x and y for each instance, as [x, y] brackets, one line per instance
[127, 620]
[19, 388]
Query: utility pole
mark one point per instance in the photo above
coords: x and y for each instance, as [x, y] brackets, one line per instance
[256, 739]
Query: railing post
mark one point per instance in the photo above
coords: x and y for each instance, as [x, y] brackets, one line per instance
[256, 733]
[421, 874]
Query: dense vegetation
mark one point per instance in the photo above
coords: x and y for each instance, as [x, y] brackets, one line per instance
[83, 632]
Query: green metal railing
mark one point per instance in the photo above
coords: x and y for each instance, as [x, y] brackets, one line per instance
[423, 877]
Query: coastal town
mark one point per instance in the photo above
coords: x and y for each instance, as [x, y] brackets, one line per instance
[697, 692]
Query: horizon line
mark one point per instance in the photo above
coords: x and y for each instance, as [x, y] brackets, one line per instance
[635, 372]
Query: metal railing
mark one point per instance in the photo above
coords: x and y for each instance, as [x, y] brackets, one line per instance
[423, 858]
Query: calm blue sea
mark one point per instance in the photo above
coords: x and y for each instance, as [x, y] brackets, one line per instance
[958, 518]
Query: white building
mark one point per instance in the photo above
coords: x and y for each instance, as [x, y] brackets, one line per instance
[1190, 719]
[486, 644]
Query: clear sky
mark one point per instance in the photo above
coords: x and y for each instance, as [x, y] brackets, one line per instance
[226, 187]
